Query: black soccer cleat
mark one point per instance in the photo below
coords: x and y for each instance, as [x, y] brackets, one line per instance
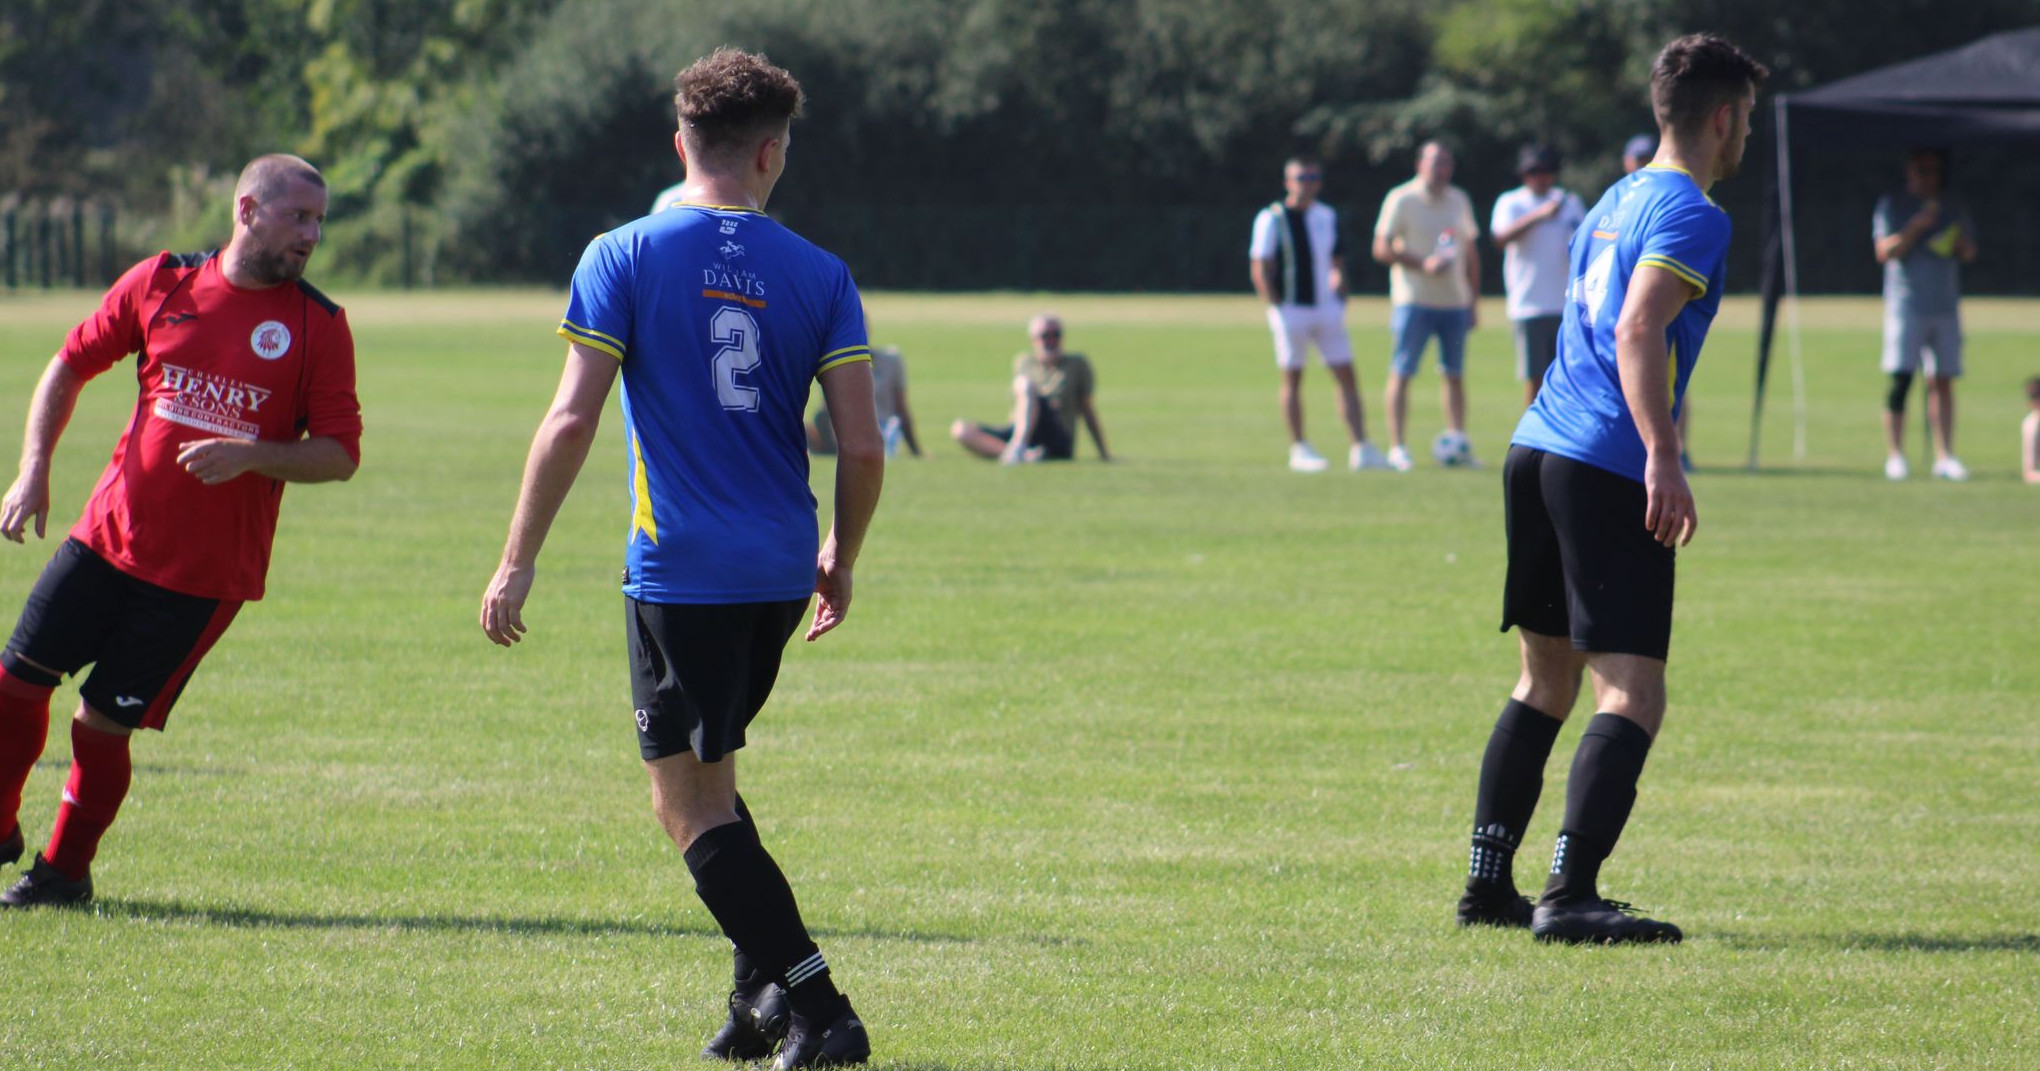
[12, 847]
[756, 1026]
[1510, 911]
[46, 886]
[1600, 922]
[840, 1043]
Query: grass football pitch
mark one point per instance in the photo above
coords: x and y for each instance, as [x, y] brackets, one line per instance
[1165, 764]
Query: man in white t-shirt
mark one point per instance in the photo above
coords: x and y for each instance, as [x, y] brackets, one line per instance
[1296, 262]
[1534, 225]
[1425, 235]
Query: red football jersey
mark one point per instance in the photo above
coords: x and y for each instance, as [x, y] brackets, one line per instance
[217, 361]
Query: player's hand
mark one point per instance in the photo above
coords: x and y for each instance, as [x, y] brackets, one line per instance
[832, 594]
[1435, 264]
[1473, 315]
[29, 497]
[503, 604]
[1668, 512]
[215, 461]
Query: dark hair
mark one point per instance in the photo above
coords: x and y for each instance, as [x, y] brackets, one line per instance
[2033, 388]
[729, 97]
[1696, 74]
[1936, 153]
[1537, 158]
[1303, 159]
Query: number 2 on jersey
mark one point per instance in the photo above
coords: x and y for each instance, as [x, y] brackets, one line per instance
[737, 330]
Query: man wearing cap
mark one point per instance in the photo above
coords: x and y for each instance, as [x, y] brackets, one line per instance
[1637, 152]
[1923, 237]
[1533, 224]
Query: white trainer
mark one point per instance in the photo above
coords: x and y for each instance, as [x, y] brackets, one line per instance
[1950, 469]
[1365, 456]
[1304, 459]
[1895, 468]
[1399, 459]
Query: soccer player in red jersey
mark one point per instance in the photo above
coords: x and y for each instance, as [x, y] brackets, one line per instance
[246, 383]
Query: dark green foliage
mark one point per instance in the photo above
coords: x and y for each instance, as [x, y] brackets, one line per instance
[1013, 143]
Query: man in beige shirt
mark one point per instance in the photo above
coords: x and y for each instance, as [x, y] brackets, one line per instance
[1425, 235]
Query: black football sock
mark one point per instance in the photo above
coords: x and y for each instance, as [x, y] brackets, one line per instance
[742, 970]
[748, 895]
[1598, 797]
[1511, 779]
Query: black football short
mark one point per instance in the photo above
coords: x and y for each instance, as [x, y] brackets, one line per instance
[700, 672]
[142, 641]
[1581, 563]
[1056, 440]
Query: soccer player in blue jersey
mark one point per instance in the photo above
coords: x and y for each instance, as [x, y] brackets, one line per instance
[718, 319]
[1595, 501]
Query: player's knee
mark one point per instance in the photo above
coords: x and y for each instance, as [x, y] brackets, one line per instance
[960, 430]
[1901, 385]
[99, 723]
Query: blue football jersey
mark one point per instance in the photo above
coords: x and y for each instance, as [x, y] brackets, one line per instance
[1658, 218]
[722, 319]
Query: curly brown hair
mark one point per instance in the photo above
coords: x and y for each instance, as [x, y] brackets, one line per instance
[1696, 74]
[729, 97]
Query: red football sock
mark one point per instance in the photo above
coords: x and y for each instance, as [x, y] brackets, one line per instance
[24, 729]
[100, 773]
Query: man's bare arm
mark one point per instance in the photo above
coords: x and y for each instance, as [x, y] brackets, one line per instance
[1090, 412]
[49, 411]
[860, 476]
[1900, 245]
[1262, 271]
[320, 459]
[1385, 251]
[557, 453]
[1643, 361]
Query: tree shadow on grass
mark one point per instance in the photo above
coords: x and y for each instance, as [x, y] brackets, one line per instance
[543, 926]
[1883, 942]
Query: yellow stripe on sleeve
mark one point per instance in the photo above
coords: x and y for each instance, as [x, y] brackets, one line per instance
[591, 339]
[1659, 260]
[846, 355]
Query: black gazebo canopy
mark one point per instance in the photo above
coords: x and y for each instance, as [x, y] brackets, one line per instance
[1985, 91]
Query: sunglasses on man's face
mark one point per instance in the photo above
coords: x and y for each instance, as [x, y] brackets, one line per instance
[1047, 336]
[1310, 176]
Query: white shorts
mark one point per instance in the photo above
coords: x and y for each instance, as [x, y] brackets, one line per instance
[1932, 341]
[1298, 327]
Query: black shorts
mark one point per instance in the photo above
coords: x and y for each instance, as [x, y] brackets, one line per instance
[1581, 563]
[700, 672]
[1056, 440]
[142, 641]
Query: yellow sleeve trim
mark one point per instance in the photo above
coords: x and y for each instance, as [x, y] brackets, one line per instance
[846, 355]
[569, 325]
[591, 339]
[1659, 260]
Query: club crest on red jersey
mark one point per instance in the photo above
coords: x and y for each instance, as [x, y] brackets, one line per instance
[270, 340]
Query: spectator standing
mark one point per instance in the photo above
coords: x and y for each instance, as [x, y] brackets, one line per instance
[1534, 224]
[1297, 262]
[1923, 236]
[1425, 234]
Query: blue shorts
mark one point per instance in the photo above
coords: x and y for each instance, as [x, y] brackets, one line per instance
[1413, 326]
